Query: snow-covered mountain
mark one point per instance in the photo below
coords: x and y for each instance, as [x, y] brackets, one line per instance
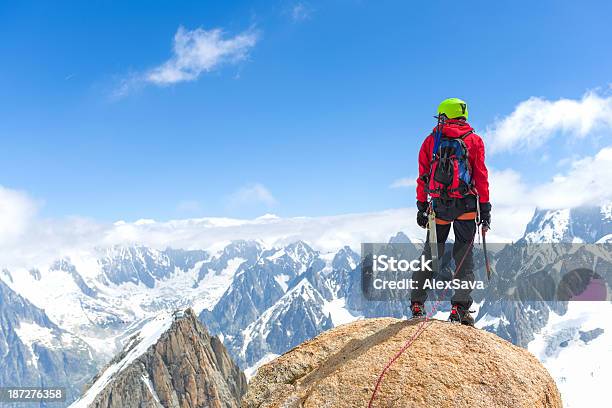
[297, 316]
[171, 361]
[35, 351]
[517, 268]
[281, 300]
[570, 338]
[584, 224]
[261, 300]
[101, 299]
[93, 303]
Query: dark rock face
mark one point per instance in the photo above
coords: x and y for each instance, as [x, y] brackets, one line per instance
[185, 368]
[588, 336]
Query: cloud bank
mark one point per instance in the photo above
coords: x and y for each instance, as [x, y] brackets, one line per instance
[587, 182]
[34, 241]
[37, 241]
[16, 212]
[536, 120]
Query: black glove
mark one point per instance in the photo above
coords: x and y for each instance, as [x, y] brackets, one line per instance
[423, 210]
[485, 215]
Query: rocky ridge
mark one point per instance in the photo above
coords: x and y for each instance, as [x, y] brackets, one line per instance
[174, 362]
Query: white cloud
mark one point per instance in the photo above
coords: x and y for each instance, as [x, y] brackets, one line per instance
[536, 120]
[17, 211]
[300, 11]
[199, 51]
[506, 188]
[404, 182]
[585, 183]
[252, 194]
[194, 52]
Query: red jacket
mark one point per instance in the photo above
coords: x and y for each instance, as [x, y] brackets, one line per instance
[476, 157]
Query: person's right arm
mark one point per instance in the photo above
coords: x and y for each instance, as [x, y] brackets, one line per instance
[424, 163]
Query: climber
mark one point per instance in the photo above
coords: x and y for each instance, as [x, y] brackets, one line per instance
[453, 175]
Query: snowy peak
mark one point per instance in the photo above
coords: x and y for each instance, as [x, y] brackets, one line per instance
[297, 256]
[300, 252]
[145, 265]
[241, 249]
[151, 369]
[400, 238]
[548, 226]
[583, 224]
[14, 307]
[571, 346]
[233, 256]
[345, 259]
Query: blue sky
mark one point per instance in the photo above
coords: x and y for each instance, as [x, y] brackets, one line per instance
[319, 115]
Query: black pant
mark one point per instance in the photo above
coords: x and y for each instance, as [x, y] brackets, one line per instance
[462, 254]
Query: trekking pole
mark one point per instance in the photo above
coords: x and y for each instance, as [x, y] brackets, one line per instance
[432, 236]
[484, 229]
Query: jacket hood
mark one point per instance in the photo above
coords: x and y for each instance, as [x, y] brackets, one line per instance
[454, 128]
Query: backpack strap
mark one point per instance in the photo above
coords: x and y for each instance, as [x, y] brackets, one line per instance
[466, 157]
[469, 132]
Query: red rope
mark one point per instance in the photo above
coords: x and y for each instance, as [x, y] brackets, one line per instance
[420, 329]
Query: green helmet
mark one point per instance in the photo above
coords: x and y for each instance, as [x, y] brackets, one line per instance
[453, 108]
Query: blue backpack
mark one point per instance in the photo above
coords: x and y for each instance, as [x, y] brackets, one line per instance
[450, 172]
